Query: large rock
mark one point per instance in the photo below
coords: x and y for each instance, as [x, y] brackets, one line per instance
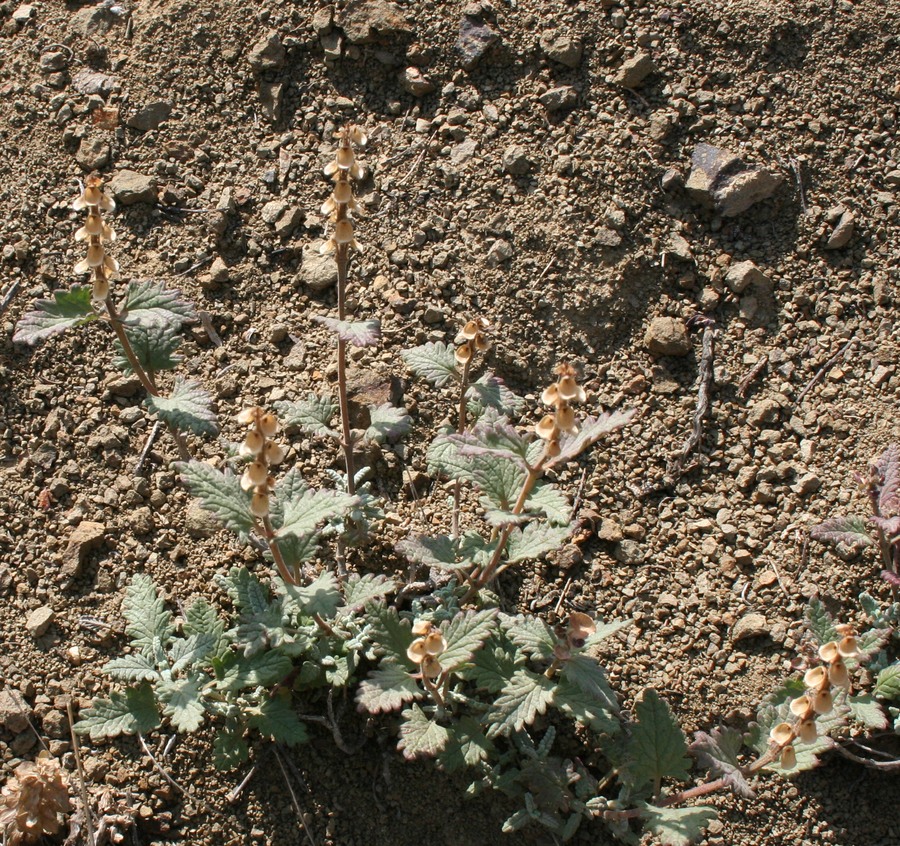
[129, 187]
[365, 20]
[721, 179]
[667, 336]
[150, 116]
[86, 536]
[563, 48]
[268, 54]
[634, 71]
[474, 40]
[317, 271]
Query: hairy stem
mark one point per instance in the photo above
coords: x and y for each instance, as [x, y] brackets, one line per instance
[268, 532]
[342, 257]
[460, 428]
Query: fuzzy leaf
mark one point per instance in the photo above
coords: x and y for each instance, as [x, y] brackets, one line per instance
[550, 501]
[866, 711]
[718, 751]
[387, 423]
[465, 634]
[313, 415]
[129, 712]
[357, 333]
[421, 737]
[468, 745]
[391, 636]
[308, 511]
[493, 435]
[491, 392]
[820, 622]
[434, 362]
[187, 408]
[444, 458]
[276, 718]
[386, 689]
[584, 708]
[322, 596]
[201, 618]
[220, 494]
[359, 591]
[261, 670]
[439, 552]
[248, 592]
[887, 465]
[535, 540]
[499, 478]
[154, 345]
[656, 748]
[887, 685]
[585, 673]
[230, 750]
[889, 525]
[677, 826]
[525, 696]
[146, 613]
[849, 531]
[182, 702]
[531, 634]
[131, 668]
[151, 302]
[190, 650]
[67, 309]
[605, 630]
[493, 667]
[592, 429]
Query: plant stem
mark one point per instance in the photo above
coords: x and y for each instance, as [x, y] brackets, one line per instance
[887, 557]
[435, 693]
[342, 257]
[460, 428]
[283, 571]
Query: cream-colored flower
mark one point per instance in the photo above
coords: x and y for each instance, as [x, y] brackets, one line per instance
[580, 628]
[788, 758]
[806, 731]
[253, 444]
[822, 701]
[781, 734]
[838, 674]
[259, 503]
[816, 678]
[800, 706]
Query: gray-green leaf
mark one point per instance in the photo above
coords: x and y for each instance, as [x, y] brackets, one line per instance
[276, 718]
[421, 737]
[154, 346]
[188, 408]
[312, 508]
[386, 689]
[129, 712]
[151, 302]
[465, 634]
[434, 362]
[677, 826]
[656, 748]
[535, 540]
[220, 494]
[67, 309]
[146, 613]
[313, 415]
[182, 702]
[718, 751]
[357, 333]
[525, 696]
[387, 423]
[887, 685]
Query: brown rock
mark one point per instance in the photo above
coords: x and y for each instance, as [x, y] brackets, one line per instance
[742, 275]
[842, 232]
[721, 179]
[364, 20]
[667, 336]
[87, 536]
[634, 71]
[750, 625]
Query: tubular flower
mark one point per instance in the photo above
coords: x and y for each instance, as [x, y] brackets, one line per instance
[344, 170]
[95, 231]
[265, 453]
[426, 649]
[473, 336]
[560, 395]
[783, 735]
[580, 628]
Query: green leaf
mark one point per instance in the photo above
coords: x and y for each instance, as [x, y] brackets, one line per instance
[844, 531]
[466, 747]
[586, 673]
[676, 826]
[188, 651]
[387, 688]
[188, 408]
[820, 622]
[535, 540]
[493, 667]
[493, 435]
[182, 702]
[230, 750]
[465, 634]
[146, 613]
[357, 333]
[718, 751]
[605, 630]
[550, 501]
[129, 712]
[248, 592]
[499, 478]
[321, 596]
[390, 636]
[887, 685]
[387, 423]
[439, 552]
[154, 345]
[305, 513]
[276, 718]
[592, 429]
[67, 309]
[132, 668]
[201, 618]
[865, 710]
[491, 392]
[584, 708]
[656, 748]
[313, 415]
[359, 591]
[151, 302]
[435, 363]
[444, 458]
[531, 634]
[220, 494]
[261, 670]
[421, 737]
[519, 703]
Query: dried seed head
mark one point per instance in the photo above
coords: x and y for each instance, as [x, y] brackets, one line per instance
[253, 443]
[343, 232]
[268, 424]
[800, 706]
[256, 474]
[565, 419]
[546, 427]
[781, 734]
[580, 628]
[838, 674]
[100, 288]
[807, 732]
[422, 627]
[788, 758]
[848, 647]
[95, 254]
[829, 651]
[343, 192]
[550, 396]
[274, 453]
[248, 416]
[435, 643]
[431, 667]
[463, 353]
[32, 800]
[822, 701]
[816, 678]
[259, 503]
[344, 157]
[416, 651]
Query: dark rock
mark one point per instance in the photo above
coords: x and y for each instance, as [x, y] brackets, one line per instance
[54, 60]
[151, 116]
[516, 161]
[474, 40]
[365, 20]
[367, 389]
[415, 82]
[90, 83]
[560, 98]
[268, 54]
[843, 232]
[721, 179]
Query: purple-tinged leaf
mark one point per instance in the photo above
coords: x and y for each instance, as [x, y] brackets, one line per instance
[492, 435]
[887, 465]
[889, 525]
[387, 423]
[491, 392]
[849, 531]
[891, 578]
[434, 362]
[52, 317]
[357, 333]
[718, 751]
[592, 429]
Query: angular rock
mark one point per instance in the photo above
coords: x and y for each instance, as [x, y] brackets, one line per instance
[499, 252]
[634, 71]
[54, 60]
[39, 620]
[14, 710]
[750, 625]
[267, 54]
[365, 20]
[289, 221]
[317, 271]
[129, 188]
[332, 45]
[719, 178]
[273, 210]
[679, 247]
[86, 536]
[150, 116]
[271, 97]
[563, 48]
[763, 411]
[462, 152]
[742, 275]
[842, 232]
[667, 336]
[199, 523]
[323, 20]
[23, 14]
[556, 99]
[474, 40]
[94, 20]
[516, 161]
[415, 82]
[93, 153]
[91, 82]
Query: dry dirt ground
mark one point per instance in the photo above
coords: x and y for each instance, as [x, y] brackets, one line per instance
[571, 245]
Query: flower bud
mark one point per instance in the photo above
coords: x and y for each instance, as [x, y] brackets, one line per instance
[788, 758]
[259, 504]
[268, 424]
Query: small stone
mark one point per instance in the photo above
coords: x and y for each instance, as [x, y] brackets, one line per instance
[606, 237]
[54, 60]
[719, 178]
[93, 83]
[23, 14]
[129, 188]
[671, 179]
[141, 521]
[474, 39]
[743, 274]
[317, 271]
[516, 161]
[323, 20]
[499, 252]
[198, 522]
[273, 210]
[629, 552]
[86, 537]
[271, 97]
[679, 247]
[807, 484]
[365, 20]
[842, 232]
[96, 19]
[93, 153]
[763, 412]
[433, 315]
[39, 620]
[634, 71]
[150, 116]
[14, 710]
[267, 54]
[462, 152]
[750, 625]
[563, 48]
[667, 336]
[610, 530]
[557, 99]
[289, 221]
[415, 82]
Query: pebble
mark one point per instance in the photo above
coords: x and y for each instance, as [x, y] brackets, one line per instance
[54, 60]
[363, 21]
[415, 82]
[667, 336]
[474, 40]
[332, 45]
[39, 620]
[129, 188]
[842, 232]
[556, 99]
[318, 272]
[634, 71]
[743, 274]
[14, 710]
[93, 153]
[516, 161]
[150, 116]
[267, 54]
[86, 536]
[750, 625]
[764, 411]
[23, 14]
[719, 178]
[198, 522]
[499, 252]
[563, 48]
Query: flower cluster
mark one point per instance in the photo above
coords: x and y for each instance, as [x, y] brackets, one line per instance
[472, 337]
[561, 394]
[102, 267]
[819, 697]
[579, 627]
[263, 452]
[344, 170]
[32, 800]
[426, 648]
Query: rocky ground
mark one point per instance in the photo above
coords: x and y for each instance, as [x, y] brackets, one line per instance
[591, 176]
